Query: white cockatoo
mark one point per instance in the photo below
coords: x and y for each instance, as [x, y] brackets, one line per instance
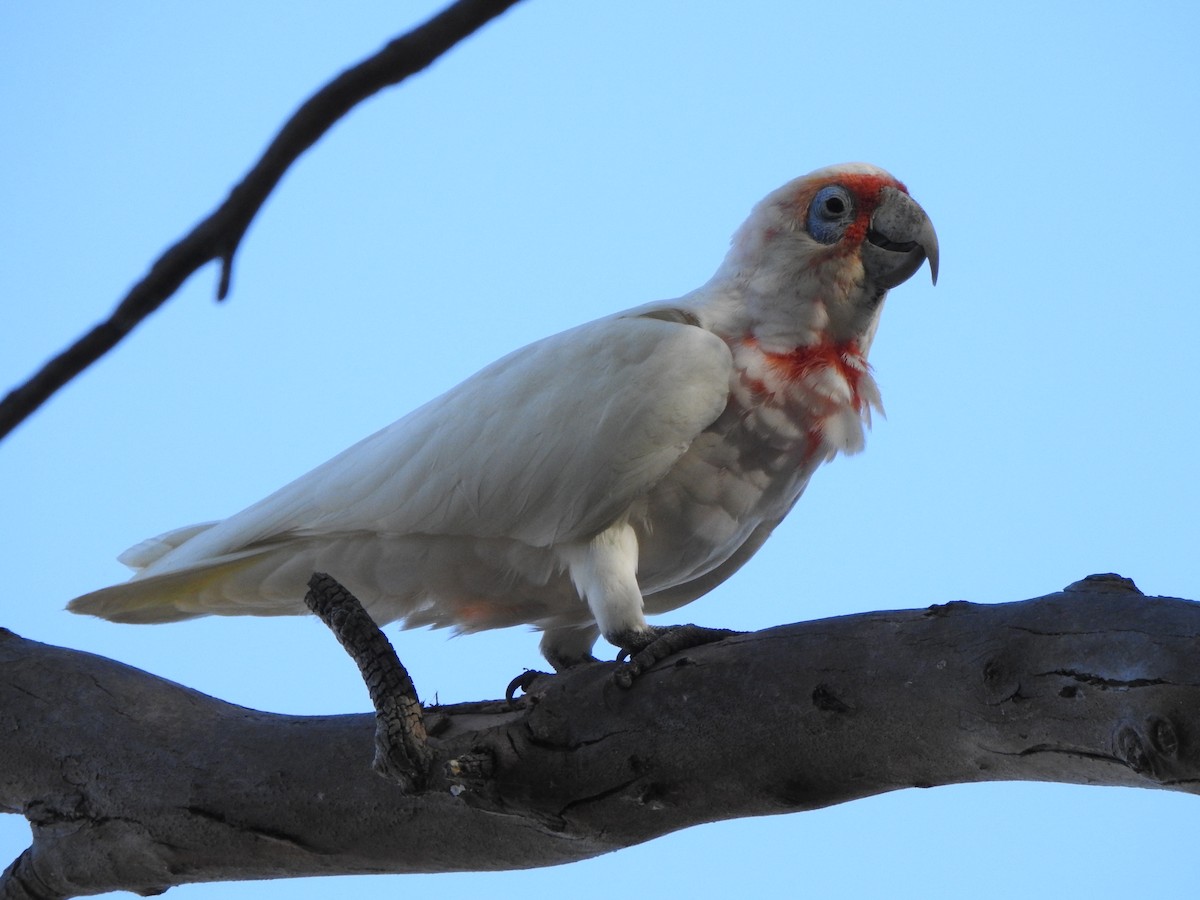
[623, 467]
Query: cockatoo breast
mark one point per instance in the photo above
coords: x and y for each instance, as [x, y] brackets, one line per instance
[787, 414]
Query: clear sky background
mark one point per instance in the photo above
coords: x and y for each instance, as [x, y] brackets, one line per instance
[571, 160]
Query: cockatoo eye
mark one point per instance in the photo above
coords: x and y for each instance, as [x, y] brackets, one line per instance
[831, 211]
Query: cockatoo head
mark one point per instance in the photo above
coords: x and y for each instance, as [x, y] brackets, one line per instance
[817, 256]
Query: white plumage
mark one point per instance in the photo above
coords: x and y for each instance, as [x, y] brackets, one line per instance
[625, 466]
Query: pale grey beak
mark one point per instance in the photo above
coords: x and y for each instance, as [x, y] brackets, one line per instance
[900, 238]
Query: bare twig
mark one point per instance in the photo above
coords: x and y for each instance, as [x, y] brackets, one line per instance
[218, 236]
[401, 751]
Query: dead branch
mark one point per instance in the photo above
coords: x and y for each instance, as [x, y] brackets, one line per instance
[401, 742]
[134, 783]
[220, 234]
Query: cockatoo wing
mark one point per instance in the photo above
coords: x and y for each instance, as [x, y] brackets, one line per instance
[544, 447]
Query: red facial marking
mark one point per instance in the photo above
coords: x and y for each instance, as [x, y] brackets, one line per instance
[865, 189]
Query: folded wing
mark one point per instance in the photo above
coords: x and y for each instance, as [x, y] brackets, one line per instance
[546, 446]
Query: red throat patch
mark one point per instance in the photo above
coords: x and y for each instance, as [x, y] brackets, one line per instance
[845, 358]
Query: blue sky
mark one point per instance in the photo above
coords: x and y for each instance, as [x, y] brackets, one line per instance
[572, 160]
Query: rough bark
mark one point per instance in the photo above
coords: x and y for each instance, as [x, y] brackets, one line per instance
[135, 783]
[402, 751]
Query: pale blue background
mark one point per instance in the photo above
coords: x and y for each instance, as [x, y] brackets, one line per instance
[574, 159]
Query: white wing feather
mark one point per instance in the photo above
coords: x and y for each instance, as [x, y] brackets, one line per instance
[546, 446]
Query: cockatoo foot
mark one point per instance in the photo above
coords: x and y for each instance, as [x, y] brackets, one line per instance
[645, 648]
[523, 683]
[561, 663]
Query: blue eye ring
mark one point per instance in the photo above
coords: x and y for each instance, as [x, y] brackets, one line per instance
[830, 213]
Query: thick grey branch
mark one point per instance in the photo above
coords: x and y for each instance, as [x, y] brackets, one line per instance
[134, 783]
[218, 236]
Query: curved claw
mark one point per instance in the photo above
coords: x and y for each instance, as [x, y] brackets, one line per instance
[522, 682]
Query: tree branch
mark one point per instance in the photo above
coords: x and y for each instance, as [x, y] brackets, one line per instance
[401, 744]
[134, 783]
[219, 235]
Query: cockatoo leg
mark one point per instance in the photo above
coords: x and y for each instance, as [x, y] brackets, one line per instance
[644, 646]
[563, 648]
[605, 573]
[648, 646]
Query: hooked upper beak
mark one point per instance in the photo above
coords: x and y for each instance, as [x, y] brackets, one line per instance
[899, 239]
